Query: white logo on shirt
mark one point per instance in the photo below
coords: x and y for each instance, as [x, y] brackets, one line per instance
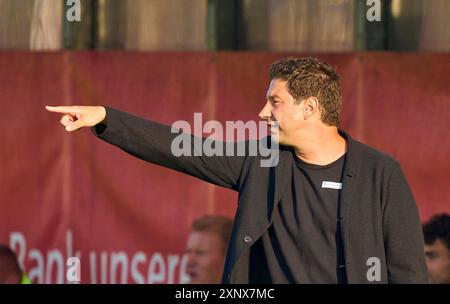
[331, 185]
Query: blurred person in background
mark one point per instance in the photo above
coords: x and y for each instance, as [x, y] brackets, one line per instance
[437, 248]
[10, 272]
[206, 249]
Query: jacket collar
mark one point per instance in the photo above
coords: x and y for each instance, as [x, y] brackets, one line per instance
[282, 175]
[349, 176]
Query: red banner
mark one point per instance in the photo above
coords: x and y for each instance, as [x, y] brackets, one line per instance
[65, 195]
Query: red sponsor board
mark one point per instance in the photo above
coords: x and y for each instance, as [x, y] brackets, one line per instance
[64, 195]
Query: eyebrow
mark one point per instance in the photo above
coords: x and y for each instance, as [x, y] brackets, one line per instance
[272, 97]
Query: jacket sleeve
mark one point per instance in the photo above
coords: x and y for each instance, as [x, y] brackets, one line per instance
[152, 142]
[402, 231]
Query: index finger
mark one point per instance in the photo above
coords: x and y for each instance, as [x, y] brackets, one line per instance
[63, 109]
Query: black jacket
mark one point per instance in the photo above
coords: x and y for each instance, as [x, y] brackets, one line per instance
[379, 214]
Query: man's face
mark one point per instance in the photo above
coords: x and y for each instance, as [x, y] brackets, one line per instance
[281, 110]
[438, 262]
[205, 257]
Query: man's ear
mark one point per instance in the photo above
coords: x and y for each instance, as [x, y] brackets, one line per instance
[311, 107]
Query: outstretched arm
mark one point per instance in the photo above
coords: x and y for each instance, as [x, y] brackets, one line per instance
[152, 142]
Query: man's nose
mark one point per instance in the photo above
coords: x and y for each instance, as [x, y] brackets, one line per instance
[191, 260]
[428, 264]
[266, 111]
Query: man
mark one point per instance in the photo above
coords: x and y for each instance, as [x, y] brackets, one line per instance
[437, 248]
[332, 210]
[206, 249]
[10, 272]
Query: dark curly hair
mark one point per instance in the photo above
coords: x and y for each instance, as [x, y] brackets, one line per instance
[438, 227]
[309, 77]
